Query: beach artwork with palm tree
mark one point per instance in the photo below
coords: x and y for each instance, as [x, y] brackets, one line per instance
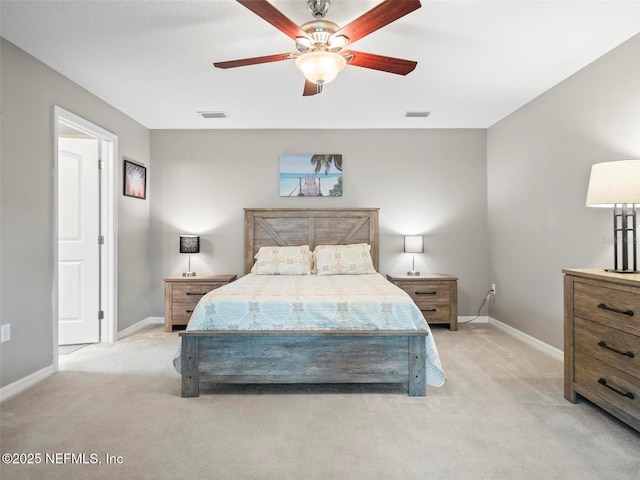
[311, 175]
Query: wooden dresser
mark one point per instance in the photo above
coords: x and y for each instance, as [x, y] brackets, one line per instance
[181, 294]
[602, 341]
[436, 295]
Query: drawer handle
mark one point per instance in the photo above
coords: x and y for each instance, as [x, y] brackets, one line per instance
[430, 310]
[189, 311]
[197, 294]
[603, 382]
[603, 344]
[616, 310]
[425, 293]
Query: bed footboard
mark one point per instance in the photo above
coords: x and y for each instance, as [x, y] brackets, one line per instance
[303, 357]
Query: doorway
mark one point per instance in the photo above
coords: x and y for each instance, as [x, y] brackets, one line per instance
[85, 198]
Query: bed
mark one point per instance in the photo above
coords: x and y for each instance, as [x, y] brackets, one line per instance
[319, 329]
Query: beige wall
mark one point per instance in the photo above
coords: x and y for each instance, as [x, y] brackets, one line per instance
[430, 182]
[539, 159]
[29, 91]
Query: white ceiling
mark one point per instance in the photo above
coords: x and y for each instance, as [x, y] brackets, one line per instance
[478, 61]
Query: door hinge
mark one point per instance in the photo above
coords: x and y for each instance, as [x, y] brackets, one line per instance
[100, 164]
[100, 239]
[100, 314]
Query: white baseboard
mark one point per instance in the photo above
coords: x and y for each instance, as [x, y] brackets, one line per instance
[30, 380]
[136, 327]
[26, 382]
[472, 319]
[528, 339]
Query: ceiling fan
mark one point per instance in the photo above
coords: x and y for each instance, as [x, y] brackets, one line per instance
[321, 44]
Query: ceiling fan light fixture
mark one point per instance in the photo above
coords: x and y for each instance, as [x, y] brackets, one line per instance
[303, 44]
[320, 42]
[320, 67]
[338, 41]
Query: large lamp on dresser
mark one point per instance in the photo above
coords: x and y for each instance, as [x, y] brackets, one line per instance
[617, 185]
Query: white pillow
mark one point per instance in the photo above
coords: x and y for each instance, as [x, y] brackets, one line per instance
[283, 261]
[352, 259]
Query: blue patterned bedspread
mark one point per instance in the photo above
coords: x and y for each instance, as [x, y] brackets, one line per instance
[312, 302]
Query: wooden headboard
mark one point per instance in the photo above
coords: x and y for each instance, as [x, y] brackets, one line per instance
[269, 227]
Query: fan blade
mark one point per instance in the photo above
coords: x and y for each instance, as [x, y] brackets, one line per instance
[275, 17]
[376, 18]
[380, 62]
[253, 61]
[310, 88]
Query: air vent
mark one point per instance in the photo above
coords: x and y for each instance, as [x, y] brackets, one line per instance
[417, 114]
[213, 114]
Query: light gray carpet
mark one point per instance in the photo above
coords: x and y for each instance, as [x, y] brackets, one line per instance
[501, 415]
[67, 349]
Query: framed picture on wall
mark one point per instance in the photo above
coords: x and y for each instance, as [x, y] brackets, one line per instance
[135, 180]
[311, 175]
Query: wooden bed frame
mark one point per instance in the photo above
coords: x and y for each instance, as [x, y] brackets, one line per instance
[346, 356]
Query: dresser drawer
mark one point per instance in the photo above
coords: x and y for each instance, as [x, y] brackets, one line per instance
[192, 292]
[611, 346]
[612, 385]
[612, 307]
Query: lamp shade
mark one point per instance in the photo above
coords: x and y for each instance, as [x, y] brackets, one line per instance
[414, 244]
[189, 244]
[614, 183]
[320, 66]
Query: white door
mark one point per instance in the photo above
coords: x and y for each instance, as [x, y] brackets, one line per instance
[78, 248]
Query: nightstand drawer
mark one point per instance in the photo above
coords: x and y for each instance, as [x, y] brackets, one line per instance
[193, 292]
[181, 313]
[614, 386]
[424, 294]
[611, 346]
[615, 308]
[437, 311]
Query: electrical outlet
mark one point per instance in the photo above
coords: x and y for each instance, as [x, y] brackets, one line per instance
[493, 288]
[5, 333]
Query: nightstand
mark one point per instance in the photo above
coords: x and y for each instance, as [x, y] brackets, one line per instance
[181, 294]
[436, 296]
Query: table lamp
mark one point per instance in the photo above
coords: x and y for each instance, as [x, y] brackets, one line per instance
[617, 185]
[413, 244]
[189, 244]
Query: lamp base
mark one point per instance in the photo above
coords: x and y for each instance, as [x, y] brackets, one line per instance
[613, 270]
[624, 225]
[413, 273]
[189, 274]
